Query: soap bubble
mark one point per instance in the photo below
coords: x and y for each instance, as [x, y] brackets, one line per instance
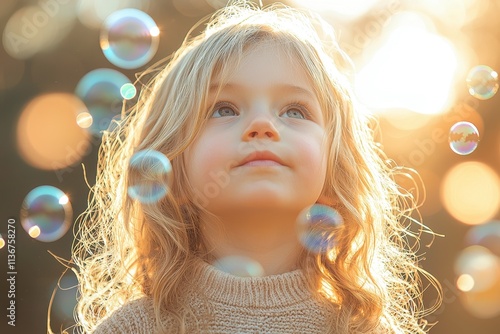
[100, 90]
[128, 91]
[486, 235]
[129, 38]
[482, 81]
[317, 226]
[150, 176]
[463, 138]
[46, 213]
[239, 266]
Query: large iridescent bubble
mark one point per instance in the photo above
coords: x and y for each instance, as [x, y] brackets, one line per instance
[150, 176]
[129, 38]
[46, 213]
[317, 226]
[101, 91]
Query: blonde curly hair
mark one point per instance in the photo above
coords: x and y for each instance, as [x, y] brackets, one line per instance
[124, 250]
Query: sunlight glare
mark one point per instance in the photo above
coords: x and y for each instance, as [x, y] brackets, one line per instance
[413, 69]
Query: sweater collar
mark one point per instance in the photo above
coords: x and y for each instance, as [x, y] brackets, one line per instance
[264, 292]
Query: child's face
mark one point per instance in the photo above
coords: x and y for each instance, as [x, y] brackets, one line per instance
[264, 106]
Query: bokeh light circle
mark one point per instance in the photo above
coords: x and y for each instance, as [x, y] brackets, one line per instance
[482, 81]
[481, 265]
[100, 90]
[48, 135]
[2, 241]
[465, 282]
[470, 192]
[478, 273]
[92, 13]
[482, 304]
[486, 235]
[150, 176]
[37, 28]
[317, 226]
[129, 38]
[463, 138]
[239, 266]
[46, 213]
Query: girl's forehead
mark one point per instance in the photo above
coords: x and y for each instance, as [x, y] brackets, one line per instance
[263, 64]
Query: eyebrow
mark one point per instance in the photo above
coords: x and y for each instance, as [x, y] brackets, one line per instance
[280, 88]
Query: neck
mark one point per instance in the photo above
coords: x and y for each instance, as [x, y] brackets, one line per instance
[268, 238]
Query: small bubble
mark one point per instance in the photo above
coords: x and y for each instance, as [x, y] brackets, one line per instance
[463, 138]
[46, 213]
[150, 176]
[128, 91]
[317, 226]
[84, 120]
[129, 38]
[239, 266]
[482, 81]
[66, 296]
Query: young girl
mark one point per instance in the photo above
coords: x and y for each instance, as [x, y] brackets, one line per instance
[257, 119]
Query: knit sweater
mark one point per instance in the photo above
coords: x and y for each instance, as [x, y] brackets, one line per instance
[270, 304]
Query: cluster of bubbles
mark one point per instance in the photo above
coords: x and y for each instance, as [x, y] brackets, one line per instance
[150, 176]
[129, 39]
[317, 231]
[46, 213]
[482, 82]
[478, 270]
[317, 228]
[478, 265]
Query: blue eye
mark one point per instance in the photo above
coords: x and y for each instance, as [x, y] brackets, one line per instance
[223, 110]
[294, 113]
[297, 111]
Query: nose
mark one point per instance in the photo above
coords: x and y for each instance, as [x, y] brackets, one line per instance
[261, 127]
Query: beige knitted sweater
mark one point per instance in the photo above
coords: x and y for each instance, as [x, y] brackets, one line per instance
[271, 304]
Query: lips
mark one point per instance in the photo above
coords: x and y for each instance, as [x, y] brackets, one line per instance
[261, 158]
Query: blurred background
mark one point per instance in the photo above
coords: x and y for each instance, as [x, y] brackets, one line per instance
[426, 68]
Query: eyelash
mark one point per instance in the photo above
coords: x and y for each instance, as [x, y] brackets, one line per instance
[302, 107]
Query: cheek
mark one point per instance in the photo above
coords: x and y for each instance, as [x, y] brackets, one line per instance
[207, 154]
[312, 155]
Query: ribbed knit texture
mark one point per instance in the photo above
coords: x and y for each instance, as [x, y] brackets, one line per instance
[270, 304]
